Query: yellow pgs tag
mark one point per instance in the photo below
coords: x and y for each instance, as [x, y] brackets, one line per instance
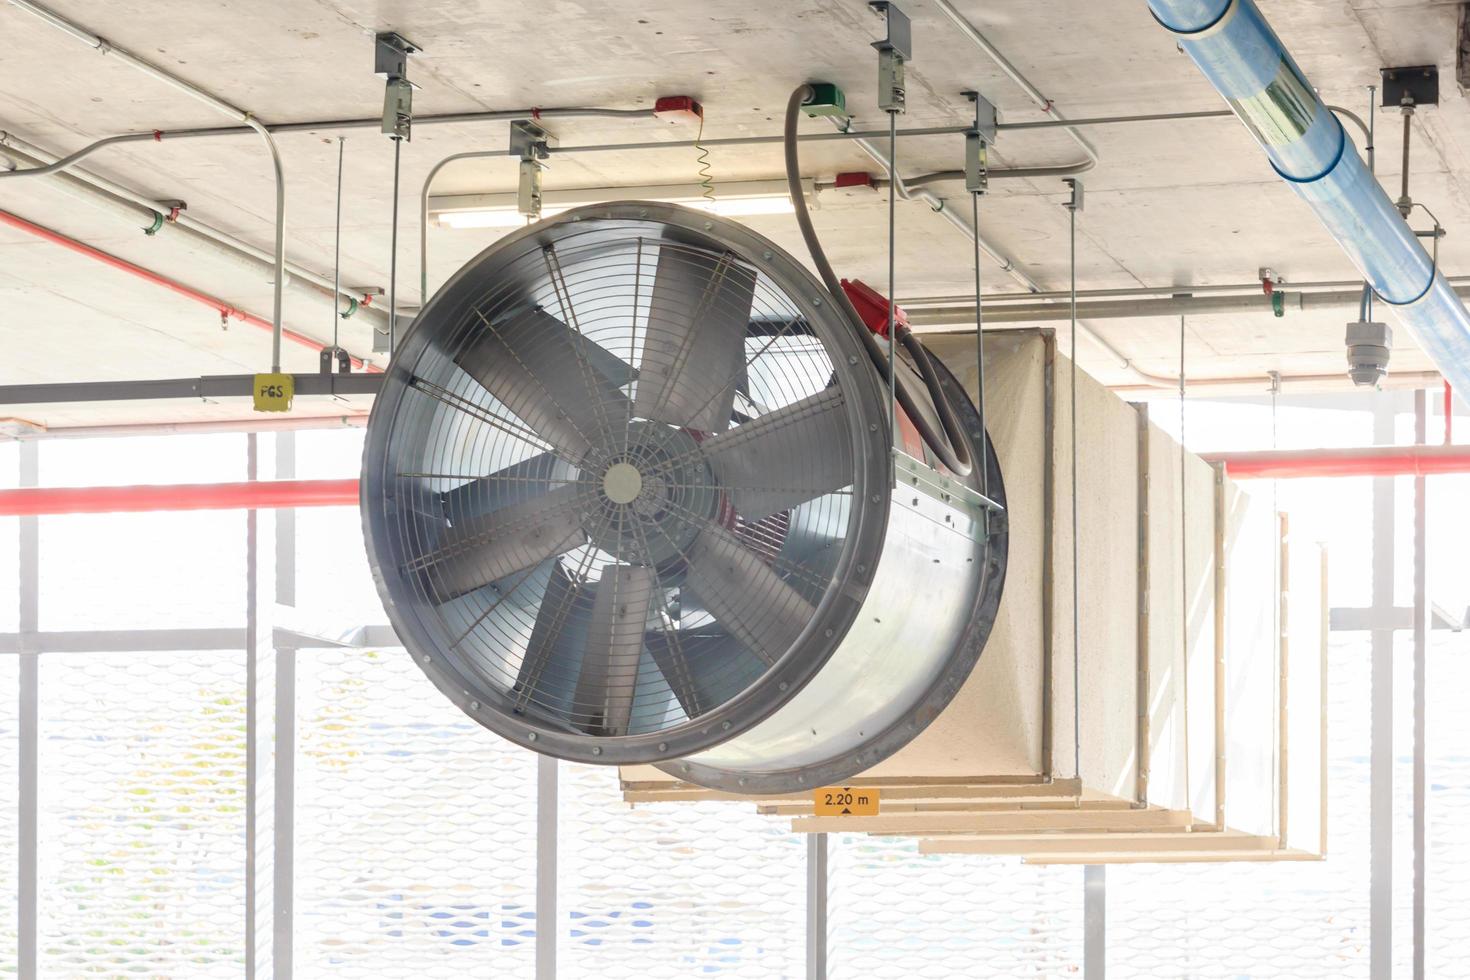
[273, 392]
[846, 801]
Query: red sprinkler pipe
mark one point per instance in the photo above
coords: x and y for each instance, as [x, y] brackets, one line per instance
[257, 495]
[123, 265]
[1372, 461]
[1449, 414]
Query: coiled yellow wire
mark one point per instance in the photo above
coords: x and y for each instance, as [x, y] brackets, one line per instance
[706, 177]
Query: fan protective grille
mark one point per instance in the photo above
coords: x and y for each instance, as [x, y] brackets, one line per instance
[619, 482]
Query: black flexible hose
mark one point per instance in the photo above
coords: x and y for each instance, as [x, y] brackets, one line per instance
[952, 448]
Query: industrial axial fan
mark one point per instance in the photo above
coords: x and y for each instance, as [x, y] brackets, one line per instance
[633, 493]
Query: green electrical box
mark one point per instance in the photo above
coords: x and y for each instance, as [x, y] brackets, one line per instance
[827, 100]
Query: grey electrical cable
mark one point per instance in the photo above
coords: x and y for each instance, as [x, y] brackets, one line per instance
[950, 446]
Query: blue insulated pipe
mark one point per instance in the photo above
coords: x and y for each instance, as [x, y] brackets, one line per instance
[1243, 58]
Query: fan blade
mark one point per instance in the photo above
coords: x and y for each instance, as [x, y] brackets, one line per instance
[604, 699]
[562, 385]
[488, 547]
[702, 669]
[559, 631]
[534, 477]
[785, 457]
[694, 349]
[745, 596]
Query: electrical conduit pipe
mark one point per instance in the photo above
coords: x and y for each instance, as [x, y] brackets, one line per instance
[1231, 43]
[132, 206]
[214, 102]
[147, 275]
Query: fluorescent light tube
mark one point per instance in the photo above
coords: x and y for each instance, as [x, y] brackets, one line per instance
[734, 199]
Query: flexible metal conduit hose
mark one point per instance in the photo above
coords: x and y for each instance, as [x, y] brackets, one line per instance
[952, 448]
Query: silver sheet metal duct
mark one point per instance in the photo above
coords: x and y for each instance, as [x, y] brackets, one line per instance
[1243, 58]
[630, 496]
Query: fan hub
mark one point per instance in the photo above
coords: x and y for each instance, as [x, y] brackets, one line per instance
[656, 493]
[622, 483]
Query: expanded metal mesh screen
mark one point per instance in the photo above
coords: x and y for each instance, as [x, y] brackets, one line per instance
[894, 913]
[415, 829]
[416, 833]
[9, 809]
[142, 819]
[144, 571]
[676, 890]
[333, 581]
[1448, 808]
[1292, 920]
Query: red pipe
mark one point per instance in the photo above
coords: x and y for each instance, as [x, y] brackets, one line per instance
[123, 265]
[1374, 461]
[259, 495]
[268, 494]
[1449, 413]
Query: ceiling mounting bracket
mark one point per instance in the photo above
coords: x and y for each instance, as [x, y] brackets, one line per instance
[978, 142]
[894, 51]
[532, 144]
[1416, 85]
[390, 63]
[335, 357]
[1074, 203]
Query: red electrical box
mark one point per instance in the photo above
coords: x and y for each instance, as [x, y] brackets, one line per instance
[872, 306]
[678, 109]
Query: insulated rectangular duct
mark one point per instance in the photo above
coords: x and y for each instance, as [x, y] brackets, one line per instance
[1183, 699]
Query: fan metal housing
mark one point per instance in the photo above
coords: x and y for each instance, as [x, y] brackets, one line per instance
[631, 495]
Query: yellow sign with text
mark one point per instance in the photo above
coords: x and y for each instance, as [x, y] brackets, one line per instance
[846, 801]
[273, 392]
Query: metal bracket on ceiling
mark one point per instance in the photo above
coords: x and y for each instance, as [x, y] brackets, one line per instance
[1074, 203]
[899, 36]
[390, 63]
[335, 357]
[894, 51]
[978, 142]
[532, 144]
[1416, 85]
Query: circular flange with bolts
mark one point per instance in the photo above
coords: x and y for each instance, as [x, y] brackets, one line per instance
[625, 486]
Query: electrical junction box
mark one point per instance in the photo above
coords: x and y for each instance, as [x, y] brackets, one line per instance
[678, 109]
[827, 100]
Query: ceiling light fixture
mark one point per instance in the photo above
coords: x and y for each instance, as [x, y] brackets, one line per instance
[734, 199]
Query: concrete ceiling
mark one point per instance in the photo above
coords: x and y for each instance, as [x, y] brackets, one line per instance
[1179, 203]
